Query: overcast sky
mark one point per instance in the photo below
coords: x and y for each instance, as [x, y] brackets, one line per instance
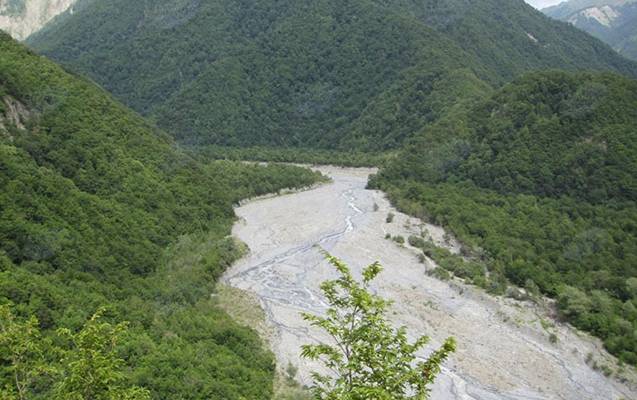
[539, 4]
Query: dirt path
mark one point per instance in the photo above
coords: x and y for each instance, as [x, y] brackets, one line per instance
[504, 350]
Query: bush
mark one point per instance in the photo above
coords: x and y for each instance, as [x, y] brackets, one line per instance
[439, 273]
[416, 241]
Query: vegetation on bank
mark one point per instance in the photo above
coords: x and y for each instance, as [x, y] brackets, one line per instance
[100, 208]
[293, 155]
[539, 183]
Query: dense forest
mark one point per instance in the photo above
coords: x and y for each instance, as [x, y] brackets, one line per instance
[348, 75]
[483, 116]
[539, 182]
[99, 208]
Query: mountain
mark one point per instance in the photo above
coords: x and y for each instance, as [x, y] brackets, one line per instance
[355, 74]
[568, 8]
[613, 21]
[100, 208]
[539, 181]
[553, 135]
[20, 18]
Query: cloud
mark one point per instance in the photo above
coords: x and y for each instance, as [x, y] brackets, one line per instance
[539, 4]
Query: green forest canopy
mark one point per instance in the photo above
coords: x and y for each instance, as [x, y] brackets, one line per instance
[100, 208]
[540, 179]
[354, 74]
[537, 176]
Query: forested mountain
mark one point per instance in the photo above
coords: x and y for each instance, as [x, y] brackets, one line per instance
[100, 208]
[613, 21]
[539, 180]
[20, 18]
[537, 177]
[548, 134]
[355, 74]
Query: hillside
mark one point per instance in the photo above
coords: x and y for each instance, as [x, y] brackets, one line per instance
[567, 8]
[356, 74]
[100, 208]
[557, 135]
[540, 182]
[613, 21]
[20, 18]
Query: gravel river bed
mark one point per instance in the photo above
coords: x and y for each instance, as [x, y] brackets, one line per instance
[504, 351]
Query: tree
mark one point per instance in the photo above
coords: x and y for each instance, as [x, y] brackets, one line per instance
[89, 369]
[93, 369]
[22, 349]
[369, 359]
[573, 302]
[631, 284]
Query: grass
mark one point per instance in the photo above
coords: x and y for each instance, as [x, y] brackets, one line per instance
[245, 309]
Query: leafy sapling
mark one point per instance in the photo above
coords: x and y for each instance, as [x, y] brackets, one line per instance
[369, 359]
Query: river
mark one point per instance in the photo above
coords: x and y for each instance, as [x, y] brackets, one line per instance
[504, 351]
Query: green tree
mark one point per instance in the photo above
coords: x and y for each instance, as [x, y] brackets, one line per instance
[573, 302]
[631, 285]
[93, 369]
[88, 369]
[22, 349]
[370, 359]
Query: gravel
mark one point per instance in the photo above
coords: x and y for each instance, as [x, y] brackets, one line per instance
[504, 351]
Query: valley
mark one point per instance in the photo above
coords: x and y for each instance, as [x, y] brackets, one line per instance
[505, 351]
[143, 143]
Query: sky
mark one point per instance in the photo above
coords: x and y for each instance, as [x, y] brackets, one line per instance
[539, 4]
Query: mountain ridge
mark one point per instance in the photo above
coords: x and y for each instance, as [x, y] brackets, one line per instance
[614, 22]
[299, 74]
[21, 18]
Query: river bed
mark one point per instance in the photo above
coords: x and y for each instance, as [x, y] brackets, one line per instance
[504, 351]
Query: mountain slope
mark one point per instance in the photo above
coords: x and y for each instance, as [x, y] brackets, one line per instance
[511, 37]
[100, 208]
[613, 21]
[567, 8]
[308, 74]
[20, 18]
[539, 180]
